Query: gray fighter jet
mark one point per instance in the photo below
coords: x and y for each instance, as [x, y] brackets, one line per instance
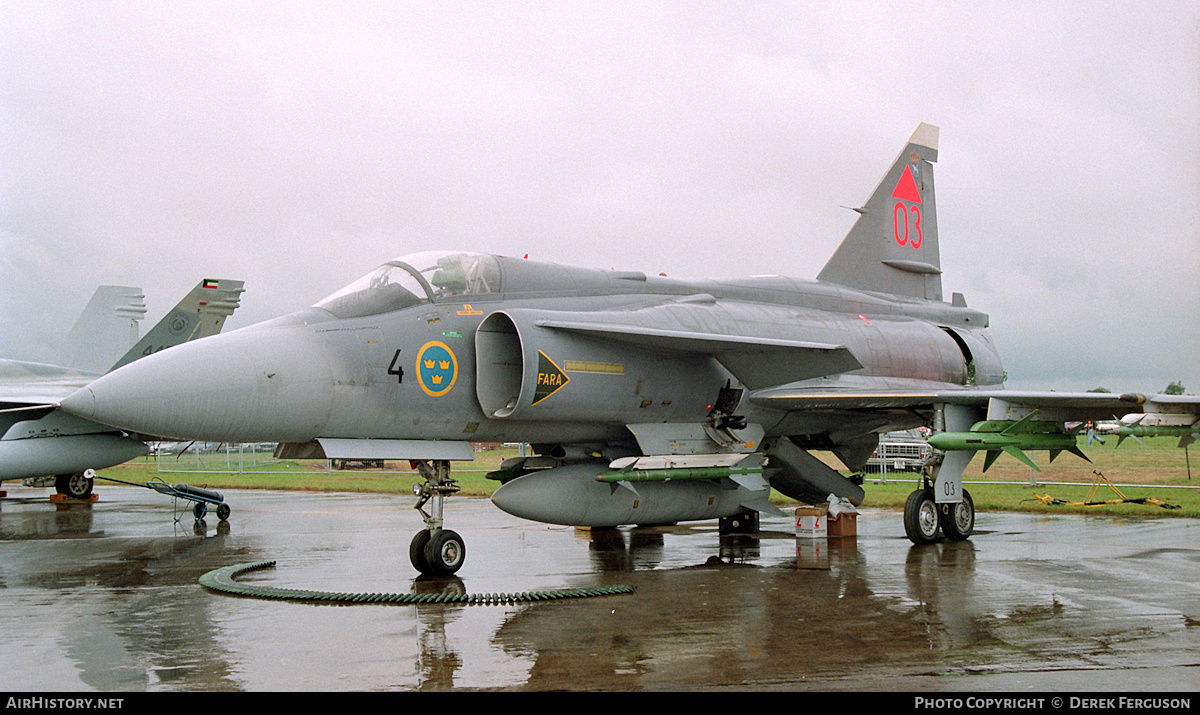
[646, 399]
[105, 330]
[37, 440]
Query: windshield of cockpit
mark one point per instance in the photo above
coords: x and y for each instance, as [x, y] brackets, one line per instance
[413, 279]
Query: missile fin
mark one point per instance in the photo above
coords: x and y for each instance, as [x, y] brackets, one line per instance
[1019, 426]
[990, 458]
[1021, 456]
[630, 487]
[763, 504]
[1121, 438]
[751, 480]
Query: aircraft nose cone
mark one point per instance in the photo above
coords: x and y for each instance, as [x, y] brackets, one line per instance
[270, 384]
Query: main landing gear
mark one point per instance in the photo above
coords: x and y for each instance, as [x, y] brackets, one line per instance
[435, 551]
[923, 517]
[75, 486]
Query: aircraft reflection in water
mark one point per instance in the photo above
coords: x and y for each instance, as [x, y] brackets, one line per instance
[647, 400]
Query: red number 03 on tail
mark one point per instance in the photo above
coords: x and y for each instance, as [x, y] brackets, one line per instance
[907, 225]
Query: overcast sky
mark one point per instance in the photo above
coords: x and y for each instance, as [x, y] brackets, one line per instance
[296, 145]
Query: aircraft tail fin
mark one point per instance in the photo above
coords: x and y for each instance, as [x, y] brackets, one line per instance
[105, 330]
[201, 313]
[893, 247]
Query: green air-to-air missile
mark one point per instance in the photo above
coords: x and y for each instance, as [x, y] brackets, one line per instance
[1186, 433]
[996, 436]
[662, 475]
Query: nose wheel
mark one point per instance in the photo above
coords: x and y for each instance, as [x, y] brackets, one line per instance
[439, 553]
[435, 551]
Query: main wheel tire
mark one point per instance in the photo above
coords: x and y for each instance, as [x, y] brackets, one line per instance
[959, 521]
[445, 552]
[416, 551]
[75, 486]
[921, 517]
[223, 511]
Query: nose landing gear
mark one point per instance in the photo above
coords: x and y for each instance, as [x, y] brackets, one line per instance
[435, 551]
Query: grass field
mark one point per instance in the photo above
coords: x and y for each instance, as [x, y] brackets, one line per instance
[1155, 469]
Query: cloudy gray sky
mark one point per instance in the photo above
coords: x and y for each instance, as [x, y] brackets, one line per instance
[297, 145]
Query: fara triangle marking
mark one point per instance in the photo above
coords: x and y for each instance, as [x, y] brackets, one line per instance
[906, 187]
[550, 378]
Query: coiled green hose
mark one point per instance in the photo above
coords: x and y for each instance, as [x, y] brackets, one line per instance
[223, 580]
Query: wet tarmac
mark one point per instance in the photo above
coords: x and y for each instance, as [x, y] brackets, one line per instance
[106, 597]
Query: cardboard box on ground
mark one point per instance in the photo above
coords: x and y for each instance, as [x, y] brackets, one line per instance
[834, 520]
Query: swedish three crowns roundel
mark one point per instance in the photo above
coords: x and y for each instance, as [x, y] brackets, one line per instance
[437, 369]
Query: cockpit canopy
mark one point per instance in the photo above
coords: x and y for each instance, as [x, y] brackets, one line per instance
[413, 279]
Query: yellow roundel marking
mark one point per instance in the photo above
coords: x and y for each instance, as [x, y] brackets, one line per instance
[437, 368]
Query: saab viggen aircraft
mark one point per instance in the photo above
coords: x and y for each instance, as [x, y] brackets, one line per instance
[646, 399]
[39, 441]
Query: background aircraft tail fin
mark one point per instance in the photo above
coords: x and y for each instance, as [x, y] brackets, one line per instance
[105, 330]
[893, 247]
[201, 313]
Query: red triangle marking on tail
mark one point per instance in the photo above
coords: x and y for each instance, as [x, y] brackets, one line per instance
[906, 188]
